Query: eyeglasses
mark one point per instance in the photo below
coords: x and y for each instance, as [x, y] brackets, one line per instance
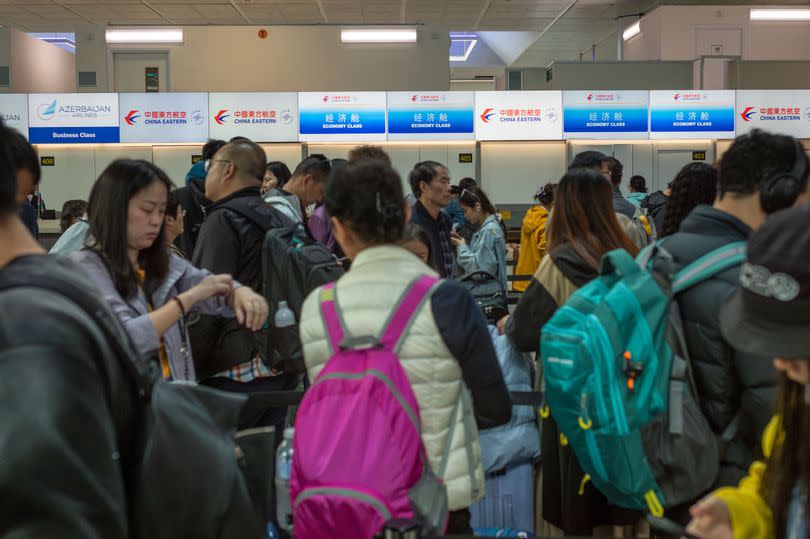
[470, 193]
[208, 162]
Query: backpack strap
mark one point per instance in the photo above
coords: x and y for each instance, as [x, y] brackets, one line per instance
[394, 329]
[709, 265]
[401, 318]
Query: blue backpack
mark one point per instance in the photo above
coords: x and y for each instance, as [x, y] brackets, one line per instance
[619, 383]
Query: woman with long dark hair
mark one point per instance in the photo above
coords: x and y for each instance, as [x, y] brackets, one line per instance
[694, 185]
[583, 228]
[150, 289]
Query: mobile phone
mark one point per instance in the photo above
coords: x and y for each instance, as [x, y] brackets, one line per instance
[664, 525]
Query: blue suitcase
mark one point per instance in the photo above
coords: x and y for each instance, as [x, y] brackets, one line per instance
[508, 505]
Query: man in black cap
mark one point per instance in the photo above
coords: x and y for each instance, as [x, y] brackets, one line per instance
[769, 316]
[758, 175]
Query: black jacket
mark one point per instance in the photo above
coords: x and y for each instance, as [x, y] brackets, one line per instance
[58, 473]
[436, 228]
[656, 205]
[621, 204]
[728, 381]
[230, 241]
[192, 199]
[558, 277]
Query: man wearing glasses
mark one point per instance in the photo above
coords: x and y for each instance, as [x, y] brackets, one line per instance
[230, 241]
[303, 189]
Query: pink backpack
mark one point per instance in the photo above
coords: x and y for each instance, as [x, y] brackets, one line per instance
[359, 460]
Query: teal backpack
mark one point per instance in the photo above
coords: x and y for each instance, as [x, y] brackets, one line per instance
[619, 383]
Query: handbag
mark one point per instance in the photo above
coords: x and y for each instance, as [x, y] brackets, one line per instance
[488, 293]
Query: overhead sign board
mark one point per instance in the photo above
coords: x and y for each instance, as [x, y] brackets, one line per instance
[14, 111]
[527, 115]
[164, 117]
[259, 116]
[683, 114]
[73, 118]
[431, 115]
[606, 114]
[347, 116]
[779, 111]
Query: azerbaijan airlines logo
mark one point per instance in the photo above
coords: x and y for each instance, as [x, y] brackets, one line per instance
[748, 113]
[487, 115]
[47, 110]
[131, 117]
[221, 116]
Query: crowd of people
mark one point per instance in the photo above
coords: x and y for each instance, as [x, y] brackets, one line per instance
[179, 273]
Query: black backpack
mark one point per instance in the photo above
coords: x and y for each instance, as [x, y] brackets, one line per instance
[488, 294]
[293, 265]
[188, 478]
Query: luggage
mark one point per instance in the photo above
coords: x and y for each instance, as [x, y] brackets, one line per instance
[508, 504]
[293, 265]
[488, 293]
[359, 460]
[619, 383]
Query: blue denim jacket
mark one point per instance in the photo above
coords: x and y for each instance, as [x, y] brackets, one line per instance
[486, 251]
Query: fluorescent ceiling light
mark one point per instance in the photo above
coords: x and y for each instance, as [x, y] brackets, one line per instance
[366, 35]
[146, 35]
[780, 14]
[632, 31]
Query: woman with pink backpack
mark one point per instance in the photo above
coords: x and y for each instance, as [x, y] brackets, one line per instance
[404, 374]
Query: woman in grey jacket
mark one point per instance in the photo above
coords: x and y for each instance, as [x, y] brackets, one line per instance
[149, 289]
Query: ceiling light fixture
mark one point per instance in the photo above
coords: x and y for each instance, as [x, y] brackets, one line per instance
[145, 35]
[780, 14]
[632, 31]
[368, 35]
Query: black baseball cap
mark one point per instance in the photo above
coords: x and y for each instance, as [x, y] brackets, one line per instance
[770, 314]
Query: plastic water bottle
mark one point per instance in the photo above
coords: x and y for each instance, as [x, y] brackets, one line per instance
[284, 457]
[284, 316]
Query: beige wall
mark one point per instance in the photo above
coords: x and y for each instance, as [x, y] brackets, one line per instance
[668, 33]
[37, 66]
[305, 59]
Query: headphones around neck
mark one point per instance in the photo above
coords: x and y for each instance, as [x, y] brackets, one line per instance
[782, 190]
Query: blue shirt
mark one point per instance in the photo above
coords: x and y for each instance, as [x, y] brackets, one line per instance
[456, 214]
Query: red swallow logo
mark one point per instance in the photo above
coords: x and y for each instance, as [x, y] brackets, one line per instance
[590, 96]
[414, 99]
[326, 99]
[677, 97]
[487, 115]
[747, 113]
[221, 116]
[131, 117]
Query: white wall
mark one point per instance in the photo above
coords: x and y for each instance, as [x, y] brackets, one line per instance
[303, 59]
[511, 172]
[37, 66]
[668, 33]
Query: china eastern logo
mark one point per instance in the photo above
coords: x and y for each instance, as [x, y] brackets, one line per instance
[771, 114]
[131, 117]
[426, 98]
[748, 113]
[689, 97]
[601, 97]
[522, 115]
[221, 116]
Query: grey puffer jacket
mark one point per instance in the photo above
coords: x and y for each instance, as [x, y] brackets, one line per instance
[728, 382]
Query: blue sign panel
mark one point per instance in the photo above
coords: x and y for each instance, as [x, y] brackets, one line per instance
[692, 114]
[606, 114]
[73, 118]
[357, 116]
[437, 115]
